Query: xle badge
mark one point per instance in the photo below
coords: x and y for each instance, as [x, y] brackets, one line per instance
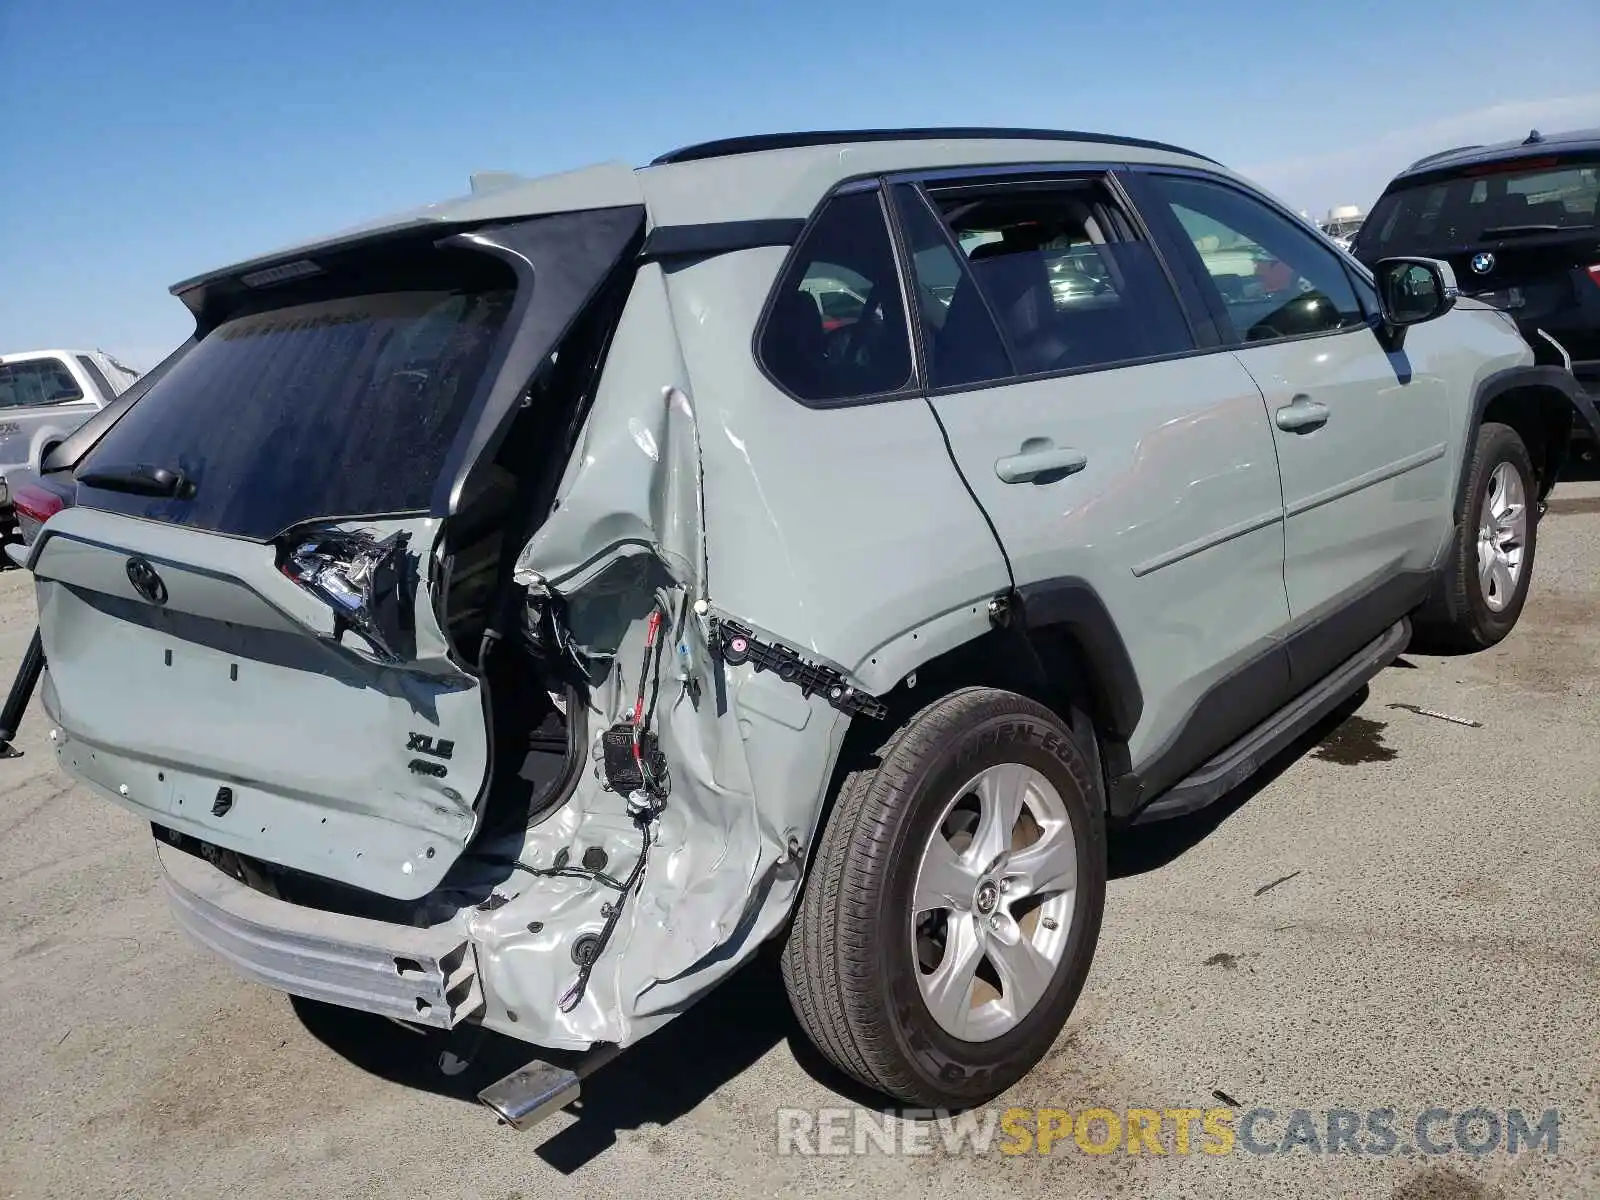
[421, 743]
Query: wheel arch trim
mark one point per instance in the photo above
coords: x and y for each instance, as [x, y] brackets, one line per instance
[1066, 604]
[1072, 605]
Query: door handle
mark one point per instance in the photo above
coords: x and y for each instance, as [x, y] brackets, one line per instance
[1035, 460]
[1302, 415]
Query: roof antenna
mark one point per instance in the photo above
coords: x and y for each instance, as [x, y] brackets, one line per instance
[1533, 136]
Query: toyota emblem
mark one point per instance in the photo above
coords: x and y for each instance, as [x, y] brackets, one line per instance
[1483, 262]
[145, 581]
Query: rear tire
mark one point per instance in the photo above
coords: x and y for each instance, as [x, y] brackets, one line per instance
[868, 960]
[1490, 566]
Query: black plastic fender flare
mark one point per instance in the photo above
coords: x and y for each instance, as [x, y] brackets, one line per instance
[1072, 604]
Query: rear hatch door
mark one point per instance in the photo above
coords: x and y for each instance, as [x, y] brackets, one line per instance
[194, 682]
[238, 612]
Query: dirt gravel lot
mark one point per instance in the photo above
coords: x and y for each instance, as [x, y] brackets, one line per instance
[1403, 914]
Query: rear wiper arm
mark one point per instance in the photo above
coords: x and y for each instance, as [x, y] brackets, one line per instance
[1505, 231]
[139, 479]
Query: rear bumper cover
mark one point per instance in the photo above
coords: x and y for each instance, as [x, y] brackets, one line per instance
[423, 976]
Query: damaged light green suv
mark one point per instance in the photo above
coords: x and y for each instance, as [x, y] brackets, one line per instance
[518, 611]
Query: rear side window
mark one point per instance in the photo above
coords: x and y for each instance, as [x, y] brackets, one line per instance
[97, 375]
[836, 330]
[343, 407]
[1484, 203]
[1066, 286]
[35, 382]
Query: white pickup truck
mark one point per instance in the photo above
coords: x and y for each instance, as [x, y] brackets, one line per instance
[44, 396]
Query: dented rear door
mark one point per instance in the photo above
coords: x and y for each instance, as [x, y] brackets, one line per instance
[191, 680]
[240, 614]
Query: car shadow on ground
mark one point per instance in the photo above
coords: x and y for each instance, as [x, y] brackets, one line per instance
[674, 1071]
[653, 1083]
[1582, 466]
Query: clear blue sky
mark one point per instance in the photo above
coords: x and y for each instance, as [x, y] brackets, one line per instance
[144, 143]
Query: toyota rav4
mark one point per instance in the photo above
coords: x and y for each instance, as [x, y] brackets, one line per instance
[518, 611]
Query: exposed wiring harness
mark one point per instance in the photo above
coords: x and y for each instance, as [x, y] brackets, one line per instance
[633, 765]
[562, 869]
[613, 914]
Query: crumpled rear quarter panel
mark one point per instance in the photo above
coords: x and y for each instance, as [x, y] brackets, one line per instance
[841, 533]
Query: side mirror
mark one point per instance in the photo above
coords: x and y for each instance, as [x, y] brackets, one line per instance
[1411, 291]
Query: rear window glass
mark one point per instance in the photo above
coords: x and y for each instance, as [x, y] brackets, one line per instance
[1461, 210]
[345, 407]
[37, 381]
[837, 327]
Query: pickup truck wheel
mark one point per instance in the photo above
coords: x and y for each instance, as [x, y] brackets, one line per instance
[951, 914]
[1486, 578]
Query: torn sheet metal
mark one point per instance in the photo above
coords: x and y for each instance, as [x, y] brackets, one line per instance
[633, 485]
[748, 753]
[725, 858]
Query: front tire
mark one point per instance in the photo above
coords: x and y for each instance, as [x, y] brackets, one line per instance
[951, 915]
[1487, 575]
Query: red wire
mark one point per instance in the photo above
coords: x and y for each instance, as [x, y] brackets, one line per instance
[652, 631]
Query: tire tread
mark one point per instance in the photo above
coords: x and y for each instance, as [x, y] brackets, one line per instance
[830, 961]
[1447, 623]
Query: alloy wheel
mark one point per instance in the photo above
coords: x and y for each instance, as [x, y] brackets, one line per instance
[993, 902]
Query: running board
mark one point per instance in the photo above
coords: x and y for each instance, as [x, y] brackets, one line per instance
[1238, 762]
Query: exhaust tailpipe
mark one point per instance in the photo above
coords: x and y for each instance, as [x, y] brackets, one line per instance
[536, 1090]
[531, 1093]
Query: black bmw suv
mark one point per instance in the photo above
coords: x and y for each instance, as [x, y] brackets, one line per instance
[1520, 223]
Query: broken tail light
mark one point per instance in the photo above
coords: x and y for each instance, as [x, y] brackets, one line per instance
[365, 580]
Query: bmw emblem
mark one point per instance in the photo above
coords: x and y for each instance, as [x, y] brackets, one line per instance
[145, 581]
[1483, 262]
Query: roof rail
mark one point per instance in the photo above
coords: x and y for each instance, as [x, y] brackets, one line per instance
[754, 143]
[1435, 157]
